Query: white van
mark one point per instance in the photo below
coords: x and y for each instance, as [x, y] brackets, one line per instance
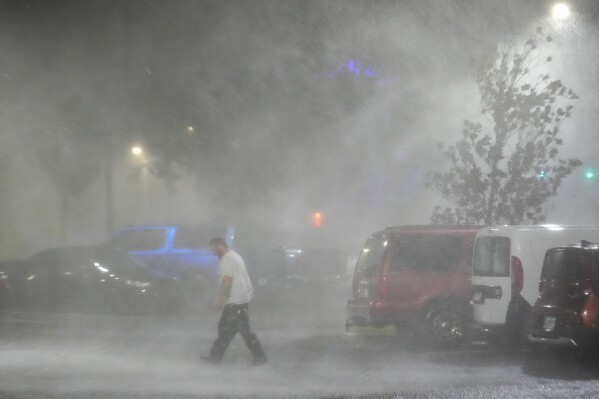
[506, 270]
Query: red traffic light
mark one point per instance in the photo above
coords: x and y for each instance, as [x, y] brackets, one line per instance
[316, 219]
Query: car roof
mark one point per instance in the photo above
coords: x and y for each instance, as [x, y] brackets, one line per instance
[65, 251]
[540, 227]
[533, 230]
[582, 245]
[433, 227]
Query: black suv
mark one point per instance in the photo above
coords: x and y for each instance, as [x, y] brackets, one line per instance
[567, 310]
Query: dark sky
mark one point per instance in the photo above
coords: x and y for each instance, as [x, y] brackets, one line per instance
[296, 105]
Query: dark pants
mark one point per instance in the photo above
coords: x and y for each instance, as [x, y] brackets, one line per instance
[234, 319]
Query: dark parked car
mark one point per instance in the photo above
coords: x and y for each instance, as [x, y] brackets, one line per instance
[566, 312]
[317, 274]
[416, 277]
[86, 280]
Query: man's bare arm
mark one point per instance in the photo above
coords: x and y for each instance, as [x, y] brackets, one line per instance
[224, 292]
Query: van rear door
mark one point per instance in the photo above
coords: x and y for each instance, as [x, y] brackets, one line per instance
[491, 281]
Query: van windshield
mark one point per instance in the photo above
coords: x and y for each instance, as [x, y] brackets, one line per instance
[372, 253]
[491, 257]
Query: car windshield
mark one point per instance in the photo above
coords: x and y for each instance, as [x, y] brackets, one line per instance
[491, 257]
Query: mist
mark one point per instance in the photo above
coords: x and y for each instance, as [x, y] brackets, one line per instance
[258, 113]
[309, 356]
[302, 106]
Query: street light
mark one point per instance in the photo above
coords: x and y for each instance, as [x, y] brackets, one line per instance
[560, 11]
[137, 151]
[141, 171]
[590, 175]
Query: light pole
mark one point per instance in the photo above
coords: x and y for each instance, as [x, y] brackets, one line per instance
[109, 184]
[109, 201]
[138, 153]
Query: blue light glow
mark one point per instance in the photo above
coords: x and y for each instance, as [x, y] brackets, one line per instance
[355, 68]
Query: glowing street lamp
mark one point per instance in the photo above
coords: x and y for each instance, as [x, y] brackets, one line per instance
[590, 175]
[137, 151]
[560, 11]
[316, 219]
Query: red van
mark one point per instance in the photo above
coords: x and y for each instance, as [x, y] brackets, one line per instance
[416, 277]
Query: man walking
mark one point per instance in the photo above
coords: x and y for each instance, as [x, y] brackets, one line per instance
[233, 297]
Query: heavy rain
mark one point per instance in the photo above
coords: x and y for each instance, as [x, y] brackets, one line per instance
[295, 130]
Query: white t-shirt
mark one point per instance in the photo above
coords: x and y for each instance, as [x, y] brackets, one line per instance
[231, 264]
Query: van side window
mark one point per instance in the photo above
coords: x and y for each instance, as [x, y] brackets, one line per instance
[426, 252]
[491, 257]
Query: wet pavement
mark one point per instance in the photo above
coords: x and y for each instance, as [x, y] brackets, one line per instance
[310, 355]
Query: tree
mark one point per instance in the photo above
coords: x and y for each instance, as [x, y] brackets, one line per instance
[507, 170]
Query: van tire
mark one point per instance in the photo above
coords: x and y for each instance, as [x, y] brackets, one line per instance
[516, 325]
[445, 325]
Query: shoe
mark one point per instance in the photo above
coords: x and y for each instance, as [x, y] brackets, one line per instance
[259, 361]
[210, 359]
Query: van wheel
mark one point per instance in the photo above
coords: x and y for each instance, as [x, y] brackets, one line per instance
[517, 323]
[445, 325]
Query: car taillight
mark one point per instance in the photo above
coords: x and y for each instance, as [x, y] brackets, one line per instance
[382, 285]
[587, 282]
[590, 313]
[517, 276]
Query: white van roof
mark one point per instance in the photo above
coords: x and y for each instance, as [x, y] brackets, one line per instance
[511, 229]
